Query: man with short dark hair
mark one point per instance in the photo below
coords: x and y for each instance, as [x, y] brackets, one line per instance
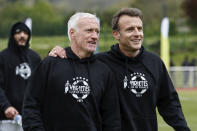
[17, 62]
[143, 79]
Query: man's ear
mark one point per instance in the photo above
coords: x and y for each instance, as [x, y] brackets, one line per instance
[72, 33]
[116, 34]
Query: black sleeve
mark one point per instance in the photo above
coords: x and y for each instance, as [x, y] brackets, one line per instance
[33, 101]
[110, 108]
[4, 102]
[169, 105]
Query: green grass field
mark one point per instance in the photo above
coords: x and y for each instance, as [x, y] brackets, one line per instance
[189, 105]
[42, 45]
[179, 45]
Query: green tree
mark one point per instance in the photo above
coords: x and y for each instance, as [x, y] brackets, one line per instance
[45, 20]
[190, 9]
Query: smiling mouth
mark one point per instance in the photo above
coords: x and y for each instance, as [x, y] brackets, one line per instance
[137, 40]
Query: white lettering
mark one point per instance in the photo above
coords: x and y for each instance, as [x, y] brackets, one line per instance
[139, 84]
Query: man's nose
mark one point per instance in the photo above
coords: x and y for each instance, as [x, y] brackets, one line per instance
[136, 31]
[22, 34]
[95, 35]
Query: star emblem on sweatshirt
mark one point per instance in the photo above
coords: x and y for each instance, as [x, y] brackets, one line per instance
[137, 83]
[79, 89]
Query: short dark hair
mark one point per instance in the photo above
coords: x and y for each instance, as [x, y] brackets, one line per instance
[125, 11]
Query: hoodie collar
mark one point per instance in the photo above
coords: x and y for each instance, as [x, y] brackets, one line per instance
[71, 55]
[115, 50]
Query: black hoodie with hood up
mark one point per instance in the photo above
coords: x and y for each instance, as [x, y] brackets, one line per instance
[71, 95]
[144, 84]
[16, 66]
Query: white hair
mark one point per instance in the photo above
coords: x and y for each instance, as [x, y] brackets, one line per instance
[72, 22]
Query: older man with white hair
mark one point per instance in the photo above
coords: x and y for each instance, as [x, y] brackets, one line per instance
[74, 94]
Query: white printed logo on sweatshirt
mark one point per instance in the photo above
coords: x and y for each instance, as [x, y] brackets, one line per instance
[137, 84]
[23, 70]
[79, 89]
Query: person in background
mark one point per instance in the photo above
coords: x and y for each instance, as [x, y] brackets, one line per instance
[17, 63]
[185, 63]
[172, 73]
[74, 94]
[143, 81]
[193, 64]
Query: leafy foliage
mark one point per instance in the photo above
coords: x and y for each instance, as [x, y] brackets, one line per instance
[45, 21]
[190, 8]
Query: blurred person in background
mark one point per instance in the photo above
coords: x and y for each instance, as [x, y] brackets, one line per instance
[17, 62]
[172, 72]
[185, 63]
[193, 64]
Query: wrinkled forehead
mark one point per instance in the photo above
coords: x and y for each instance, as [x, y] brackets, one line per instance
[86, 21]
[130, 21]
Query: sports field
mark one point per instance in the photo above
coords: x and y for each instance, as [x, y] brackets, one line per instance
[188, 98]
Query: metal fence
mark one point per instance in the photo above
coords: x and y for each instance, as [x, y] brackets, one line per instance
[184, 76]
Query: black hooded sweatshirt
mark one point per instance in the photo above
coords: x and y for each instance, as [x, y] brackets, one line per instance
[71, 95]
[144, 84]
[16, 66]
